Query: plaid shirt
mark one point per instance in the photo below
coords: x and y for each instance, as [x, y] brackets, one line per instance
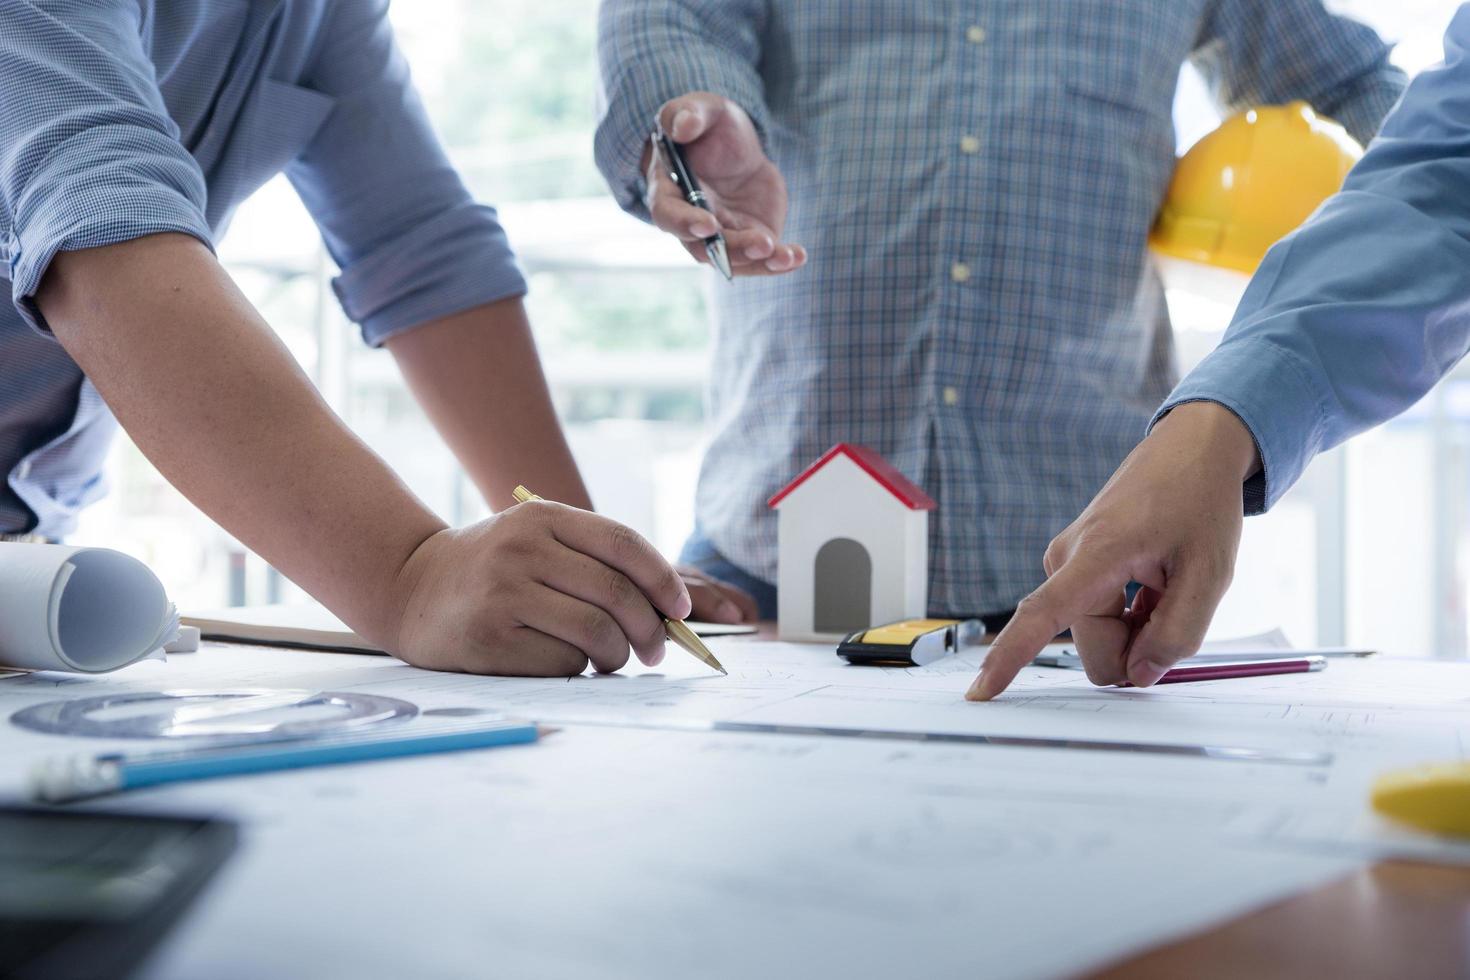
[124, 118]
[975, 181]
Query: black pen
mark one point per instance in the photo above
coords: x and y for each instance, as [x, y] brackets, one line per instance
[683, 177]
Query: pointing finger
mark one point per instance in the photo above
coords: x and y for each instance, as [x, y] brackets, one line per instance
[1077, 588]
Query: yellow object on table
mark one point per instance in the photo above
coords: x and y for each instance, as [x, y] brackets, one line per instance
[1435, 798]
[914, 642]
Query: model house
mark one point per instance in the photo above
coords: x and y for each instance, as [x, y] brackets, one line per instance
[854, 546]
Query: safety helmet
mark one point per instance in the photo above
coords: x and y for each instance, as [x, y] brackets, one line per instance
[1250, 183]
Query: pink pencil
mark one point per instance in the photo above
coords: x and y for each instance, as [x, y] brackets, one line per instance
[1247, 668]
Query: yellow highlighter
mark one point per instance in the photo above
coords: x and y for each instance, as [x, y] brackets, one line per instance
[681, 634]
[1435, 798]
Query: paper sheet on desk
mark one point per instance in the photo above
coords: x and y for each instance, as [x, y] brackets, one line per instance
[1364, 716]
[717, 856]
[1397, 709]
[88, 610]
[1369, 715]
[1390, 703]
[799, 855]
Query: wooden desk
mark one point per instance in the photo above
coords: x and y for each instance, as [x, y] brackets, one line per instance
[1394, 920]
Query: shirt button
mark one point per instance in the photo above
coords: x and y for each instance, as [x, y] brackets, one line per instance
[976, 34]
[951, 396]
[959, 272]
[970, 144]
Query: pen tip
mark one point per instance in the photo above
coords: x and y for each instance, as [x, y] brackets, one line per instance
[720, 257]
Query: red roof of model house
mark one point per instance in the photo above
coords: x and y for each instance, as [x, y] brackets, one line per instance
[871, 463]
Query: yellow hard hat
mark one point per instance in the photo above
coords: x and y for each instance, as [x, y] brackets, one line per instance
[1250, 183]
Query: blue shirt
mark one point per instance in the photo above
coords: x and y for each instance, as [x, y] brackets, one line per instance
[124, 118]
[975, 181]
[1353, 318]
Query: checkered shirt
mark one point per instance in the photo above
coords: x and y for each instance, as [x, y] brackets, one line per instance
[975, 182]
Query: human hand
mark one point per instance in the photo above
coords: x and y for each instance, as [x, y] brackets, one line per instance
[716, 601]
[743, 186]
[1170, 519]
[538, 590]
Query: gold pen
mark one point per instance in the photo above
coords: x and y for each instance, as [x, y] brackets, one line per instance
[681, 634]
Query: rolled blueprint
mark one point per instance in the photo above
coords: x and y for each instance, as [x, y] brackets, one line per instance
[88, 610]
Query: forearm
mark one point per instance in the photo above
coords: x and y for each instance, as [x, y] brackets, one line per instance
[217, 403]
[479, 379]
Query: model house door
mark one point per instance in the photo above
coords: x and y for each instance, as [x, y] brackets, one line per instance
[844, 587]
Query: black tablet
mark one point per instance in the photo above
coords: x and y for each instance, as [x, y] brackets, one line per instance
[88, 894]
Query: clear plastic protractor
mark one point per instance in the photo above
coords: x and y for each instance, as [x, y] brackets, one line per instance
[243, 713]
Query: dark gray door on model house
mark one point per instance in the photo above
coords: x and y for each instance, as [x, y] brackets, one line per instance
[843, 590]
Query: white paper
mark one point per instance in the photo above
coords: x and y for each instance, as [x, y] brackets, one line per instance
[1369, 716]
[88, 610]
[1275, 639]
[607, 853]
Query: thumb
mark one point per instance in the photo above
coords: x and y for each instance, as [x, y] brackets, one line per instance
[1177, 625]
[688, 117]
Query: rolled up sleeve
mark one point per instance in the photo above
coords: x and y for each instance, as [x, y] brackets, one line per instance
[1359, 313]
[412, 244]
[650, 51]
[88, 154]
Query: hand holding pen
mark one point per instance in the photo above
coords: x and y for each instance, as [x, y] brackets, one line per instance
[675, 628]
[711, 185]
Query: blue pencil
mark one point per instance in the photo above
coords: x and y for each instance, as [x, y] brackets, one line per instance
[61, 780]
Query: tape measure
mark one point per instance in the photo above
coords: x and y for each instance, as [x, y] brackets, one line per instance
[910, 643]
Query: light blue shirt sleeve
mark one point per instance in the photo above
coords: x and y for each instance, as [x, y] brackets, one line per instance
[1356, 316]
[88, 153]
[411, 242]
